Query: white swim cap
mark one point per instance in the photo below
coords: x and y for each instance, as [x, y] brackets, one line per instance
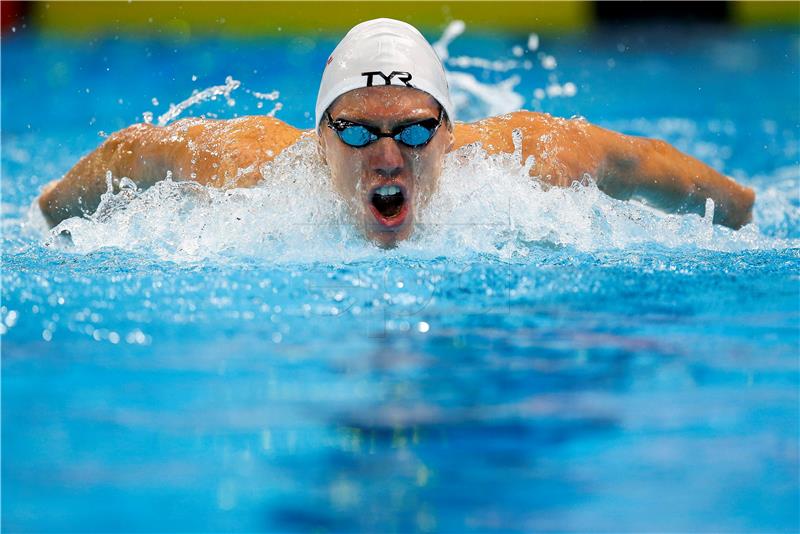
[383, 52]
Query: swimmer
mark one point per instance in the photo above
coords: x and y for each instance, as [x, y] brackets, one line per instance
[384, 123]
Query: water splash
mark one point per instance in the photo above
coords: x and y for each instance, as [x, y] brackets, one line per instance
[209, 93]
[482, 99]
[450, 33]
[474, 99]
[271, 96]
[777, 208]
[485, 204]
[503, 212]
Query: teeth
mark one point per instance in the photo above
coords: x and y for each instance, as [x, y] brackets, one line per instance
[387, 190]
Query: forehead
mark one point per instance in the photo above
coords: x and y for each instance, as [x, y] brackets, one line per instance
[388, 102]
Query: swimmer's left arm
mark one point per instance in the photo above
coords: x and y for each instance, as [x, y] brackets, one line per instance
[623, 166]
[655, 172]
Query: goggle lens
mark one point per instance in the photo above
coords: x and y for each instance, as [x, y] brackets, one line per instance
[414, 135]
[356, 136]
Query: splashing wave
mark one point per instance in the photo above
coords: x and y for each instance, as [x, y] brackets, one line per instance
[486, 204]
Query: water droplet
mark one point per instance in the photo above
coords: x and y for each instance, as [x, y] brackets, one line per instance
[11, 318]
[533, 42]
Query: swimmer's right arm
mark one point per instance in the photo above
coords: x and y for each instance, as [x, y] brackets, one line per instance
[78, 191]
[224, 153]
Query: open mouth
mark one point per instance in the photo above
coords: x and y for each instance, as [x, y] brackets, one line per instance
[388, 204]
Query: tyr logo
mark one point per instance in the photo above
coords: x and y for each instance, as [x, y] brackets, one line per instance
[404, 77]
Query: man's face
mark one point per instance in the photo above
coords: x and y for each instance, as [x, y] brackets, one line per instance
[385, 182]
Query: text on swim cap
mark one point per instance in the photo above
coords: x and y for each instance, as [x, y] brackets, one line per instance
[404, 77]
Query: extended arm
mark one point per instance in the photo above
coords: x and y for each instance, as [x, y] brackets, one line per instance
[216, 153]
[653, 171]
[624, 167]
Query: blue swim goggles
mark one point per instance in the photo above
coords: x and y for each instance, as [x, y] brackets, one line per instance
[357, 135]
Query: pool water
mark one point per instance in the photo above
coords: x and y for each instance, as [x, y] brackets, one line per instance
[197, 360]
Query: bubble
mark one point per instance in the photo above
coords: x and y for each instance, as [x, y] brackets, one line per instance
[533, 42]
[11, 318]
[554, 90]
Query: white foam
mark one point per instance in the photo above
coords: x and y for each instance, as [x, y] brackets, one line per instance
[491, 205]
[486, 204]
[473, 98]
[293, 215]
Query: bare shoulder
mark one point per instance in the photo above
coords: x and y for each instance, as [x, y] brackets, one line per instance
[563, 149]
[220, 153]
[495, 133]
[253, 131]
[217, 153]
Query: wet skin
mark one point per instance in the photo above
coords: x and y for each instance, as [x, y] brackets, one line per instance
[229, 153]
[356, 173]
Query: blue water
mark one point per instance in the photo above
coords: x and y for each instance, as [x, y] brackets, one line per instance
[596, 368]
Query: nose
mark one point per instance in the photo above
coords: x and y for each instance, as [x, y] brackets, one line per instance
[386, 159]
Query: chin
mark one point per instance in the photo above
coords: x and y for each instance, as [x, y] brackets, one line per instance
[389, 238]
